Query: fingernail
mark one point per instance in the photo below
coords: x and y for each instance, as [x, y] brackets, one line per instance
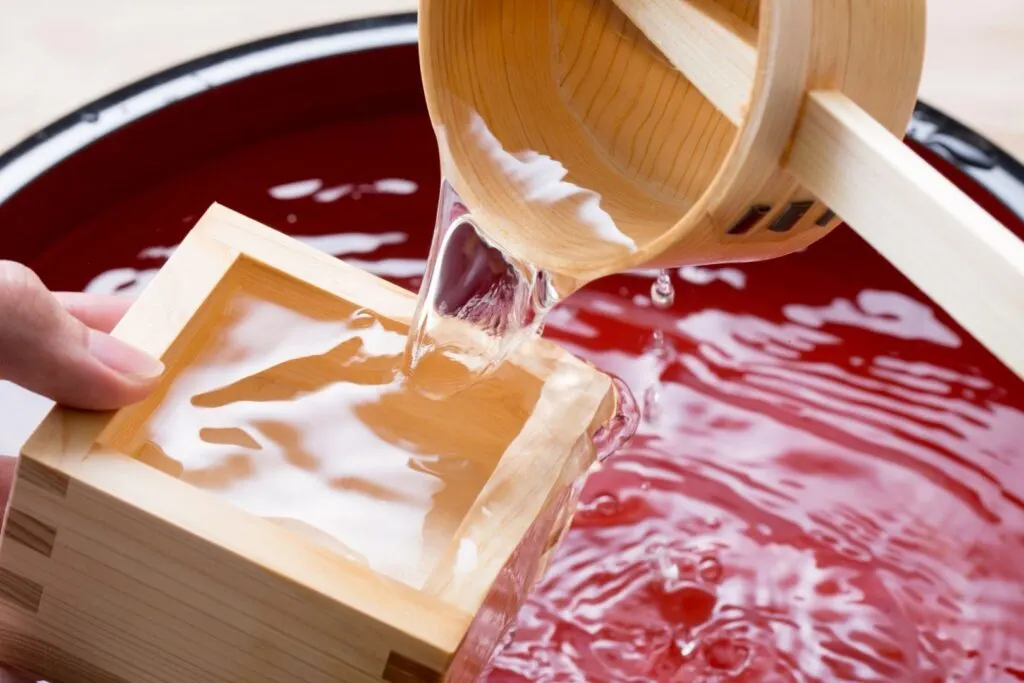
[123, 358]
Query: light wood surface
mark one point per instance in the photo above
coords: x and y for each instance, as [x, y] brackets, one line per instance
[939, 238]
[646, 152]
[59, 54]
[114, 569]
[860, 63]
[902, 207]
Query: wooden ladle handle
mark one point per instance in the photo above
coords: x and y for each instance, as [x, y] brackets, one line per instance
[947, 245]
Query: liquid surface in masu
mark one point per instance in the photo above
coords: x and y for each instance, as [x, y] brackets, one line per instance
[826, 485]
[295, 408]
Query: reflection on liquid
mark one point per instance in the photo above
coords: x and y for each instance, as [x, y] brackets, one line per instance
[827, 492]
[131, 281]
[314, 187]
[831, 490]
[789, 516]
[306, 419]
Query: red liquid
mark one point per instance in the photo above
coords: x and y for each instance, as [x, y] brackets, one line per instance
[831, 492]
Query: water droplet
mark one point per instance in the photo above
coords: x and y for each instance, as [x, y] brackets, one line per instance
[663, 294]
[89, 117]
[710, 570]
[645, 486]
[604, 505]
[727, 654]
[659, 346]
[652, 403]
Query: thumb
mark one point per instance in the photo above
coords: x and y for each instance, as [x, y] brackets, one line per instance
[46, 349]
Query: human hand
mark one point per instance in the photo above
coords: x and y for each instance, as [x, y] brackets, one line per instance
[58, 345]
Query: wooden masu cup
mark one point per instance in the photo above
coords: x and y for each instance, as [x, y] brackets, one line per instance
[115, 570]
[678, 114]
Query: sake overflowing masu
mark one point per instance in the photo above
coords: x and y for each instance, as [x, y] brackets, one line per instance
[830, 489]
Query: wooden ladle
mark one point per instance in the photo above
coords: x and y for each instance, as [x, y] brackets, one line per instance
[590, 137]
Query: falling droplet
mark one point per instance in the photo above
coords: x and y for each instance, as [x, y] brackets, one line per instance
[652, 403]
[659, 346]
[662, 351]
[663, 294]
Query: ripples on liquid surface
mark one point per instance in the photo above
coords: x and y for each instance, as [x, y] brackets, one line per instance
[829, 489]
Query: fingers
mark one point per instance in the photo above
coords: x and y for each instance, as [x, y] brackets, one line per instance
[98, 311]
[53, 350]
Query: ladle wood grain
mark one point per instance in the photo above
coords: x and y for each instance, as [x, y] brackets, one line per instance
[709, 132]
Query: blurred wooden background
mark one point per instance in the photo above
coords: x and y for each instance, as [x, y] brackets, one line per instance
[58, 54]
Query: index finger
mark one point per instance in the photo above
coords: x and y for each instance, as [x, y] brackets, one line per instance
[99, 311]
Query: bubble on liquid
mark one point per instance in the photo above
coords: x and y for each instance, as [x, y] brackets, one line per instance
[602, 505]
[291, 218]
[663, 293]
[362, 318]
[726, 654]
[710, 570]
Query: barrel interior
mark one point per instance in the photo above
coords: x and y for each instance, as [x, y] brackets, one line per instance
[577, 83]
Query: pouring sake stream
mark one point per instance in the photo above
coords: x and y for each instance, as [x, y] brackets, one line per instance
[590, 137]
